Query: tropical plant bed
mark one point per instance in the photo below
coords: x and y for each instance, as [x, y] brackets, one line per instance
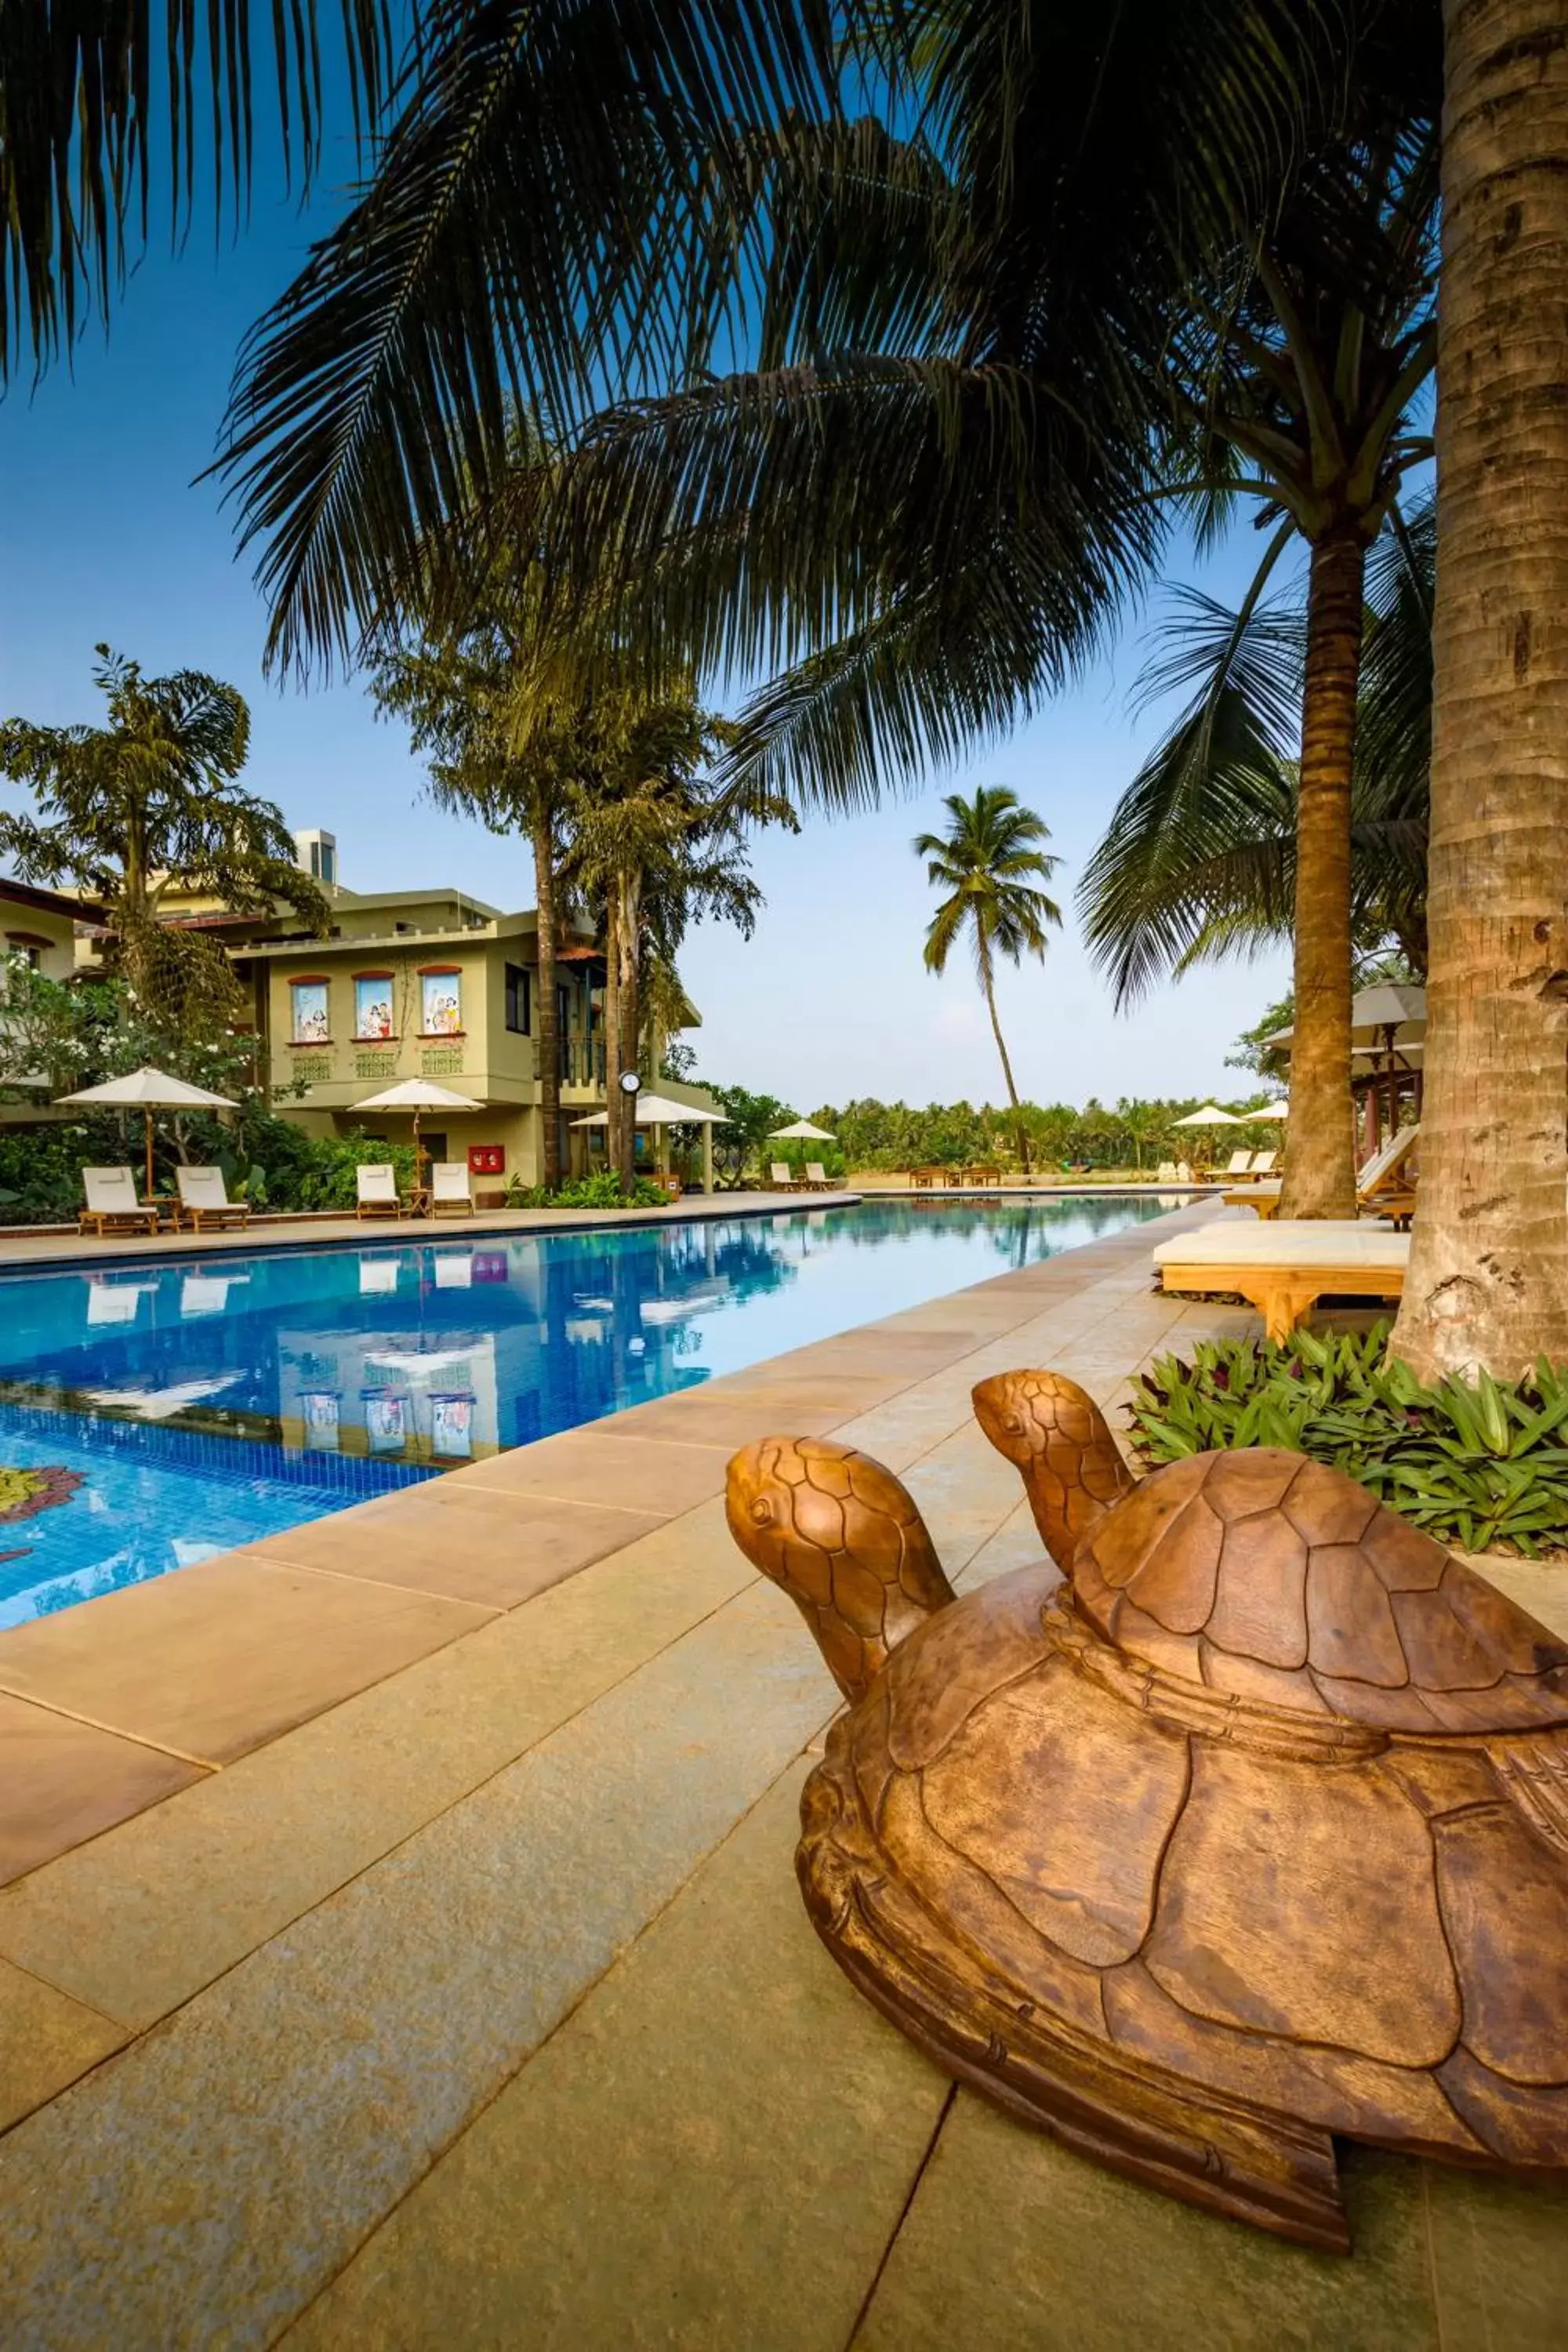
[1482, 1464]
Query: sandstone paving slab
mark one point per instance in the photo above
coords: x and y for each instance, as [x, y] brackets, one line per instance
[62, 1781]
[964, 1490]
[453, 1537]
[711, 2153]
[47, 2040]
[597, 1465]
[1013, 2245]
[211, 1661]
[143, 1917]
[279, 2115]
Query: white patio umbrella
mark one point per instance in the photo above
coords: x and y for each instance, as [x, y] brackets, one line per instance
[659, 1112]
[148, 1090]
[418, 1095]
[1280, 1110]
[1211, 1115]
[802, 1131]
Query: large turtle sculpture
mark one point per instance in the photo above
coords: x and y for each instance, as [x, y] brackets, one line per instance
[1243, 1824]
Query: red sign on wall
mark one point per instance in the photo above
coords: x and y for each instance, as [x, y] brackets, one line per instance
[486, 1159]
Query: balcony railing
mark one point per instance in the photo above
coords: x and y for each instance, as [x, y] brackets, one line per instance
[581, 1061]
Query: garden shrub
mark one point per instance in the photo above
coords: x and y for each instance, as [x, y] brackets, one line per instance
[1479, 1464]
[599, 1191]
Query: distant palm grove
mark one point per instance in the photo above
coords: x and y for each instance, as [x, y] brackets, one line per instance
[883, 356]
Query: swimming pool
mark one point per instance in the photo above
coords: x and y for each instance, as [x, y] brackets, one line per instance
[152, 1414]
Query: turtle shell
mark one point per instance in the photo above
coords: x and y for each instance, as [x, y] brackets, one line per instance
[1267, 1811]
[1272, 1577]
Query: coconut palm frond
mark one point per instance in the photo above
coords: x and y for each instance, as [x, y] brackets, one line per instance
[554, 214]
[88, 91]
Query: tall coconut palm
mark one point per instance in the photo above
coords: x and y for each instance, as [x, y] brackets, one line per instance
[652, 849]
[985, 354]
[1488, 1282]
[1198, 860]
[465, 695]
[991, 866]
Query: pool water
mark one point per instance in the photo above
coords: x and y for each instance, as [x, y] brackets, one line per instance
[152, 1415]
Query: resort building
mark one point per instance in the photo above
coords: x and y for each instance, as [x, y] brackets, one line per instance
[42, 927]
[419, 984]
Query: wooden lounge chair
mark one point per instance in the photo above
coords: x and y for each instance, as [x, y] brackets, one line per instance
[1380, 1190]
[818, 1180]
[785, 1178]
[451, 1191]
[1240, 1161]
[203, 1199]
[111, 1205]
[375, 1186]
[1285, 1267]
[1263, 1164]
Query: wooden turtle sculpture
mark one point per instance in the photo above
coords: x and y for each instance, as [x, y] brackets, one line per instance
[1243, 1824]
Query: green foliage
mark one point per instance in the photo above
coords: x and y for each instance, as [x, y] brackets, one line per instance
[1479, 1464]
[1130, 1135]
[602, 1189]
[743, 1140]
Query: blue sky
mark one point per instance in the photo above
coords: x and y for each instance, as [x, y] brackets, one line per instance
[108, 535]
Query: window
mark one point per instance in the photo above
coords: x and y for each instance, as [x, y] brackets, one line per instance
[519, 999]
[372, 1005]
[308, 1022]
[441, 1001]
[324, 861]
[28, 948]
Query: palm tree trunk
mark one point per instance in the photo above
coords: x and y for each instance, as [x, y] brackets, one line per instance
[629, 925]
[987, 983]
[1320, 1172]
[1488, 1283]
[614, 1100]
[548, 1022]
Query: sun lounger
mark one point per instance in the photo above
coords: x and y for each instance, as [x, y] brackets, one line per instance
[376, 1185]
[1166, 1172]
[203, 1199]
[1240, 1161]
[1263, 1164]
[785, 1178]
[451, 1195]
[111, 1205]
[1283, 1269]
[1382, 1172]
[1380, 1190]
[818, 1180]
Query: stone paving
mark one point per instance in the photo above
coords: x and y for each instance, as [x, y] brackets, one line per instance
[439, 1978]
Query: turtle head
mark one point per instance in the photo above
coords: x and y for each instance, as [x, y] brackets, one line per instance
[842, 1537]
[1061, 1444]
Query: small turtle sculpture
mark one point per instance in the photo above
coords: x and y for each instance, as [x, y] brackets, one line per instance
[1242, 1824]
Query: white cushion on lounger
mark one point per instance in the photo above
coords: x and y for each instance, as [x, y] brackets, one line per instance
[1298, 1241]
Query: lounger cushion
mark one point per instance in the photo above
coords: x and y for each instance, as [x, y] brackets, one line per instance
[1304, 1242]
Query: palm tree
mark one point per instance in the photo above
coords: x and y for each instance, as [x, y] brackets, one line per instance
[1198, 860]
[493, 754]
[1488, 1282]
[653, 850]
[989, 866]
[149, 804]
